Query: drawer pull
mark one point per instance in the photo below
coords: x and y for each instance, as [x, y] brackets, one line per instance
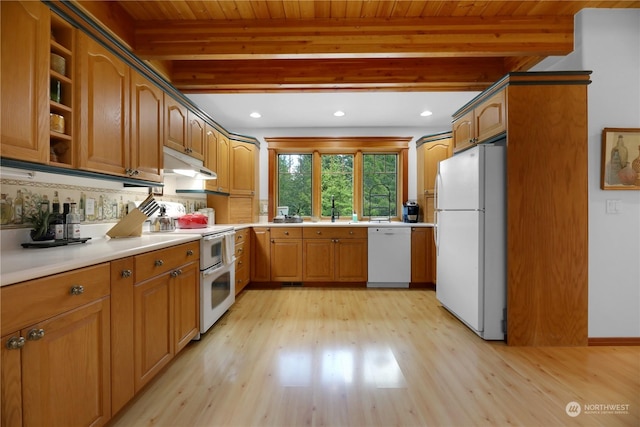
[35, 334]
[240, 250]
[318, 232]
[176, 273]
[15, 343]
[126, 273]
[286, 233]
[189, 252]
[351, 232]
[159, 263]
[77, 290]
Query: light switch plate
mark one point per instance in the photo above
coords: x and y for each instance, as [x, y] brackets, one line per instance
[614, 206]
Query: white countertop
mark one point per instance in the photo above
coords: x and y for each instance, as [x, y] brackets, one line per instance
[343, 224]
[22, 264]
[18, 264]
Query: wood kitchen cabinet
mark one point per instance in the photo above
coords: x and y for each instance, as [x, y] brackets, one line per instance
[196, 136]
[162, 327]
[261, 254]
[56, 350]
[430, 151]
[334, 254]
[175, 123]
[243, 162]
[147, 129]
[423, 255]
[104, 109]
[286, 254]
[184, 129]
[122, 125]
[487, 119]
[243, 258]
[224, 153]
[186, 307]
[25, 48]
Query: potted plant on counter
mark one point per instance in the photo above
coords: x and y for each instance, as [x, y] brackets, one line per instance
[39, 220]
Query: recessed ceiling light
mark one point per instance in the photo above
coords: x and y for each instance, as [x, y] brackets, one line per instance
[255, 115]
[339, 113]
[426, 113]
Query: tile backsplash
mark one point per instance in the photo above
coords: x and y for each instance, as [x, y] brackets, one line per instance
[98, 201]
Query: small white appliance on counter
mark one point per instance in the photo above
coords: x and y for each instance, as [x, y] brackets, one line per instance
[470, 227]
[217, 269]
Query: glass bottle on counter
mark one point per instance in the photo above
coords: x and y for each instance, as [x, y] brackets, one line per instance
[73, 223]
[18, 208]
[5, 210]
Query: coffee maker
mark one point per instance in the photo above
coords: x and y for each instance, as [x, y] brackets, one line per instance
[410, 211]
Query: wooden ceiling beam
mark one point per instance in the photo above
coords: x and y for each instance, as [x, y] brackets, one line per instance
[348, 38]
[433, 74]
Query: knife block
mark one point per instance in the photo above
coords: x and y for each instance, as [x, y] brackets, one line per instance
[129, 226]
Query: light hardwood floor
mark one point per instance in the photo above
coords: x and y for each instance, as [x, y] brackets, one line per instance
[364, 357]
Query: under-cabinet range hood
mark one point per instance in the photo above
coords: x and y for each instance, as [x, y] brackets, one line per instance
[178, 163]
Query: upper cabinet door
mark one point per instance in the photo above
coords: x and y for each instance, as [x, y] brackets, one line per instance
[435, 152]
[242, 168]
[490, 117]
[196, 136]
[224, 153]
[25, 80]
[211, 159]
[175, 124]
[104, 104]
[147, 128]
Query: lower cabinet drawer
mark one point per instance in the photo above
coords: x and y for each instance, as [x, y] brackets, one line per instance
[30, 302]
[161, 261]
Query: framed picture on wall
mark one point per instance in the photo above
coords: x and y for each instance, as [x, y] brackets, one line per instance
[620, 159]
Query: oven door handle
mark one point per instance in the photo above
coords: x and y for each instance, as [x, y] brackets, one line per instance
[210, 238]
[212, 270]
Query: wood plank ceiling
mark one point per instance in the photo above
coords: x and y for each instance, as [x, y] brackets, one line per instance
[329, 45]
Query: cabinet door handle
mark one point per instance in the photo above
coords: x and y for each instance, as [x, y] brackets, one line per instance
[126, 273]
[239, 262]
[15, 343]
[189, 252]
[273, 241]
[77, 290]
[35, 334]
[175, 273]
[159, 263]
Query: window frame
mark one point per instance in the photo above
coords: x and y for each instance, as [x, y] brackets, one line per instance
[357, 146]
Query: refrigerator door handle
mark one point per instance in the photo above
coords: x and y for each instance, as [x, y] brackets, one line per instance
[435, 231]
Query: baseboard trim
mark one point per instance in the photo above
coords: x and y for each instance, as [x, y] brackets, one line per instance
[613, 341]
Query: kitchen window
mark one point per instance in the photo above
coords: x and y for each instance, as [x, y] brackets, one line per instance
[380, 185]
[337, 184]
[295, 183]
[305, 172]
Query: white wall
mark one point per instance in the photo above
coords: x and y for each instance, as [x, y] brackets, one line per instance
[608, 43]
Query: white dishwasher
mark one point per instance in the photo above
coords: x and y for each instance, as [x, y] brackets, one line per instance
[389, 257]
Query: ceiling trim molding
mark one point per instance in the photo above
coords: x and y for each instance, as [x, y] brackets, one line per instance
[353, 143]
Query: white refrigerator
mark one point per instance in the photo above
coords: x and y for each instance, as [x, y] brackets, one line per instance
[470, 233]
